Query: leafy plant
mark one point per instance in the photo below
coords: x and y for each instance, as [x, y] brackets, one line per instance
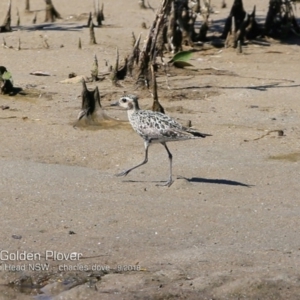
[6, 76]
[180, 59]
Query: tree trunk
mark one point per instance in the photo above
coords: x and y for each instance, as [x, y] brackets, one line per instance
[148, 53]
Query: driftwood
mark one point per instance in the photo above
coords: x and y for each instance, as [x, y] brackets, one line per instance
[6, 27]
[51, 13]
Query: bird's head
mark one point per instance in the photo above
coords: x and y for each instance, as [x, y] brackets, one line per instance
[129, 102]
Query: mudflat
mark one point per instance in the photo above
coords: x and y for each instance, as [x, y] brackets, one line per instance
[228, 227]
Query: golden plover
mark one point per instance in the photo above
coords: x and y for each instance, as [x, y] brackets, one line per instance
[155, 127]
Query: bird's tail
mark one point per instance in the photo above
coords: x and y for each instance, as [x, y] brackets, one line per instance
[197, 133]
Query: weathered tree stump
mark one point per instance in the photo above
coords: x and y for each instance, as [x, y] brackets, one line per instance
[100, 14]
[244, 27]
[174, 33]
[197, 7]
[6, 27]
[203, 29]
[90, 20]
[238, 13]
[90, 103]
[134, 56]
[27, 5]
[156, 106]
[92, 34]
[231, 41]
[95, 70]
[34, 18]
[114, 77]
[280, 20]
[252, 29]
[142, 4]
[119, 73]
[18, 19]
[148, 53]
[51, 13]
[122, 72]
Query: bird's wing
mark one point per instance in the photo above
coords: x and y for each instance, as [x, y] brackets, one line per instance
[170, 134]
[157, 126]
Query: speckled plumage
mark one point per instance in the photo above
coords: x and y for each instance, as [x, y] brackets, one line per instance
[155, 127]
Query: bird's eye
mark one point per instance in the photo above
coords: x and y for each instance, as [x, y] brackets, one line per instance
[123, 100]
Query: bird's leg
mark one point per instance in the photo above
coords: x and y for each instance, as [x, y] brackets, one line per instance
[170, 181]
[124, 173]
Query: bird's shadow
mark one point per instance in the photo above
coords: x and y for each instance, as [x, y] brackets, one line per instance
[202, 180]
[215, 181]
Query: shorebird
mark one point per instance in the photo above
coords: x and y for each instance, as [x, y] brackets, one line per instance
[155, 127]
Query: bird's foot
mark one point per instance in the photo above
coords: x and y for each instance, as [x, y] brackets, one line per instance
[168, 183]
[124, 173]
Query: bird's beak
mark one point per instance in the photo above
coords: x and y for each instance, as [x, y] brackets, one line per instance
[115, 103]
